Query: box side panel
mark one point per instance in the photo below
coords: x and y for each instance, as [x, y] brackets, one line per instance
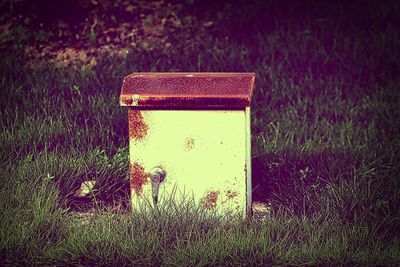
[202, 152]
[249, 186]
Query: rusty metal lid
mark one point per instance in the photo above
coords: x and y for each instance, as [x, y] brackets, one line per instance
[191, 90]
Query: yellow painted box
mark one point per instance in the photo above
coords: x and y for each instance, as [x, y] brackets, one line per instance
[189, 138]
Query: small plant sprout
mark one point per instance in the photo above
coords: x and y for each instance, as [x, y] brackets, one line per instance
[48, 177]
[304, 173]
[75, 89]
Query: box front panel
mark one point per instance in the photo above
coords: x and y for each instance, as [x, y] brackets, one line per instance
[202, 152]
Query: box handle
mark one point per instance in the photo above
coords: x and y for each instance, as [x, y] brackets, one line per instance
[157, 175]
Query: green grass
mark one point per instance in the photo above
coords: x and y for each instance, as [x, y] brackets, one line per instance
[324, 139]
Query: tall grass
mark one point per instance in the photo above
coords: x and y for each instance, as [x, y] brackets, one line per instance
[325, 147]
[184, 235]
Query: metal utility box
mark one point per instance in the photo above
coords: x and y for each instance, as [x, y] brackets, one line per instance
[189, 135]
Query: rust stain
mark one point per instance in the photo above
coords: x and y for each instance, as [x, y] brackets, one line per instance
[127, 101]
[189, 83]
[137, 127]
[138, 177]
[189, 89]
[230, 194]
[189, 144]
[190, 101]
[210, 200]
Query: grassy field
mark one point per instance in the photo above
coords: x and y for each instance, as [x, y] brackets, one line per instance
[325, 142]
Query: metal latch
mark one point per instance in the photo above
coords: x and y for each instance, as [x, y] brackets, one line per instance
[157, 175]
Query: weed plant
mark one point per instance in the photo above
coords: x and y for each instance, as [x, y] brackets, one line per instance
[325, 146]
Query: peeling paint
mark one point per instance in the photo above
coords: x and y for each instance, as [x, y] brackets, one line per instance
[135, 100]
[137, 126]
[210, 200]
[138, 177]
